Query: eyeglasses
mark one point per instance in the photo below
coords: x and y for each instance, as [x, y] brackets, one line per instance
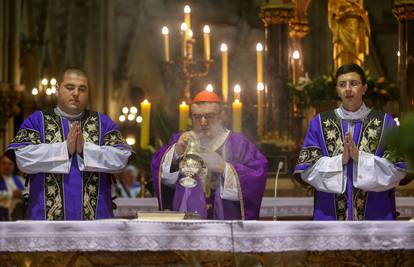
[351, 83]
[207, 116]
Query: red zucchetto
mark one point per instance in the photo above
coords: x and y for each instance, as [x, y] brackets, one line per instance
[206, 96]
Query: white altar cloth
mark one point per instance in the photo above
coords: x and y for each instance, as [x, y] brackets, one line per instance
[224, 236]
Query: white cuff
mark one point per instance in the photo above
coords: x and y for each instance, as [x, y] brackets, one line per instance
[326, 175]
[376, 174]
[106, 159]
[168, 178]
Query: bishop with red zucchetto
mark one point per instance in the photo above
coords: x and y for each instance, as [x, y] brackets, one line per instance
[233, 179]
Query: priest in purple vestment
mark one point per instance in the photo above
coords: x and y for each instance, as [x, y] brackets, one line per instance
[345, 159]
[233, 182]
[69, 153]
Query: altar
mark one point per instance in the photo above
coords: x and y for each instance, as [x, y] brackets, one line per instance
[121, 242]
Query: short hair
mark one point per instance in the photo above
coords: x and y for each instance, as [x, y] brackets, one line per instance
[75, 70]
[352, 67]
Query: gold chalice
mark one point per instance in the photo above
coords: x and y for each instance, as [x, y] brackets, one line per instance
[190, 165]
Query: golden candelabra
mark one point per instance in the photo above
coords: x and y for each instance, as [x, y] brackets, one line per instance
[190, 69]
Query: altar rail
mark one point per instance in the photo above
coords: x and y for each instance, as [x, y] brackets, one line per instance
[290, 207]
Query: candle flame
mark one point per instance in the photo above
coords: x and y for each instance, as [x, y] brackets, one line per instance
[209, 87]
[164, 30]
[236, 101]
[187, 9]
[260, 86]
[190, 33]
[237, 88]
[183, 26]
[296, 54]
[206, 29]
[259, 47]
[145, 101]
[223, 47]
[183, 103]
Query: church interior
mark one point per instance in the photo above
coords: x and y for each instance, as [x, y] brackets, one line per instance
[271, 61]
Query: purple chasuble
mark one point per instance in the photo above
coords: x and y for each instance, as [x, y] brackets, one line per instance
[250, 166]
[325, 137]
[77, 195]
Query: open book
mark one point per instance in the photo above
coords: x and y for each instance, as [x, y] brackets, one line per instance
[167, 215]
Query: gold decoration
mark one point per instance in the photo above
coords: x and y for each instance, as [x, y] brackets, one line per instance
[90, 185]
[298, 28]
[348, 21]
[276, 13]
[114, 138]
[54, 203]
[404, 10]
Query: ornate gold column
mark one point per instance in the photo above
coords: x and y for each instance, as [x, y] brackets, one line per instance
[348, 21]
[298, 29]
[404, 12]
[276, 16]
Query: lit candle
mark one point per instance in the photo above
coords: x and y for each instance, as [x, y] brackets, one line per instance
[184, 111]
[224, 72]
[145, 124]
[166, 44]
[183, 40]
[237, 91]
[260, 114]
[295, 66]
[187, 16]
[259, 49]
[237, 116]
[190, 44]
[206, 35]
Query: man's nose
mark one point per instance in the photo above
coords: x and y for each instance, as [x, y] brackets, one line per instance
[204, 121]
[76, 92]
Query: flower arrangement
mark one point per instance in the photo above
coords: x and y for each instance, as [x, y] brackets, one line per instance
[307, 91]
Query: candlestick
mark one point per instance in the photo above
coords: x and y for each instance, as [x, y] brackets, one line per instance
[190, 44]
[224, 72]
[187, 16]
[295, 66]
[145, 124]
[260, 114]
[183, 40]
[206, 35]
[259, 49]
[166, 44]
[237, 116]
[184, 111]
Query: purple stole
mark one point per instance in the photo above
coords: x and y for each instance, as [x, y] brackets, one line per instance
[325, 138]
[77, 195]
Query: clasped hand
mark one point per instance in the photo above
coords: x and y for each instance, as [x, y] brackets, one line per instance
[75, 139]
[350, 150]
